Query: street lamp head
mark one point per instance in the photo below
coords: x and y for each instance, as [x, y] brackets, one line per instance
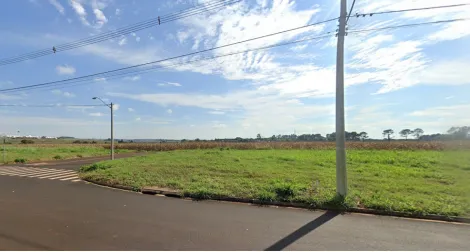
[94, 98]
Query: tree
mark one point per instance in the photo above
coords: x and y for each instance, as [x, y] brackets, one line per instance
[388, 133]
[459, 132]
[417, 133]
[258, 136]
[354, 136]
[363, 136]
[405, 133]
[273, 138]
[331, 137]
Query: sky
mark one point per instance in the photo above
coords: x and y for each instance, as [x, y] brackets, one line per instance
[394, 79]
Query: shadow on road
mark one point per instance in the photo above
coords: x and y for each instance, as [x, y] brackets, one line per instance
[299, 233]
[25, 242]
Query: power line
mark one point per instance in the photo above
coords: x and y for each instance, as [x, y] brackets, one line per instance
[408, 25]
[154, 68]
[350, 11]
[216, 5]
[413, 9]
[171, 58]
[47, 106]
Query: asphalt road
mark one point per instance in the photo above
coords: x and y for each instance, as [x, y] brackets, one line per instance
[75, 164]
[40, 214]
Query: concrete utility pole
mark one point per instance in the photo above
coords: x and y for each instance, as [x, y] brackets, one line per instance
[111, 106]
[341, 176]
[112, 131]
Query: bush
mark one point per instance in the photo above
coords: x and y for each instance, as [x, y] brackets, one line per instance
[20, 160]
[57, 157]
[27, 141]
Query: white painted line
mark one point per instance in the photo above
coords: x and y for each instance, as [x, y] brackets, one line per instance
[57, 175]
[76, 180]
[39, 173]
[69, 178]
[30, 169]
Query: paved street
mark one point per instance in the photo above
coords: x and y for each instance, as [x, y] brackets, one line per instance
[37, 214]
[75, 164]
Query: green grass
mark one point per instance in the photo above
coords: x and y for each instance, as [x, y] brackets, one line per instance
[427, 182]
[29, 153]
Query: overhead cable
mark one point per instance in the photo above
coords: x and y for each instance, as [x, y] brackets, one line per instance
[211, 6]
[171, 58]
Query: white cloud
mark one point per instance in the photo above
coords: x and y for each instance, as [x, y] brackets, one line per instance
[100, 18]
[116, 107]
[216, 112]
[133, 78]
[58, 6]
[130, 109]
[117, 12]
[96, 114]
[449, 112]
[219, 126]
[299, 48]
[65, 94]
[65, 70]
[122, 41]
[169, 111]
[449, 97]
[68, 94]
[80, 11]
[137, 39]
[174, 84]
[138, 119]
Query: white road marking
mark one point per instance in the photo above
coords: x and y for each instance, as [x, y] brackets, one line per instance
[40, 173]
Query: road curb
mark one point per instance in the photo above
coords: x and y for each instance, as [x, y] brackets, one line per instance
[173, 194]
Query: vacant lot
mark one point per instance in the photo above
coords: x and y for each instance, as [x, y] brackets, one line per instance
[422, 181]
[45, 152]
[289, 145]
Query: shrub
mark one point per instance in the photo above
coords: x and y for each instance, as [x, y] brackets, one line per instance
[27, 141]
[57, 157]
[20, 160]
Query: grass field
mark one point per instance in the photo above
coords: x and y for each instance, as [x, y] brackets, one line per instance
[45, 152]
[368, 145]
[418, 181]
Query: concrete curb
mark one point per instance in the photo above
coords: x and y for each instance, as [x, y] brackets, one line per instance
[152, 191]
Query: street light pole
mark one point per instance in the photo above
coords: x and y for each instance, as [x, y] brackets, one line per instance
[341, 175]
[111, 106]
[112, 131]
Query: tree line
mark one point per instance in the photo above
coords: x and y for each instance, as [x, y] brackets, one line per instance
[454, 133]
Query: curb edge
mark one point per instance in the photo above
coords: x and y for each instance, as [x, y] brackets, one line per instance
[172, 194]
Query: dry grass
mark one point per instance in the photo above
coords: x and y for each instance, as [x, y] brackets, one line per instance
[398, 145]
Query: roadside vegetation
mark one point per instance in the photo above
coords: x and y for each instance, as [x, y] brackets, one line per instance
[46, 152]
[424, 179]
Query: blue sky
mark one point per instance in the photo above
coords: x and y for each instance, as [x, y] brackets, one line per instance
[402, 78]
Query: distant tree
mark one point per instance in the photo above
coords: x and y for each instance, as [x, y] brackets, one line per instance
[405, 133]
[27, 141]
[459, 132]
[417, 133]
[331, 137]
[197, 140]
[273, 138]
[354, 136]
[258, 136]
[388, 133]
[363, 136]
